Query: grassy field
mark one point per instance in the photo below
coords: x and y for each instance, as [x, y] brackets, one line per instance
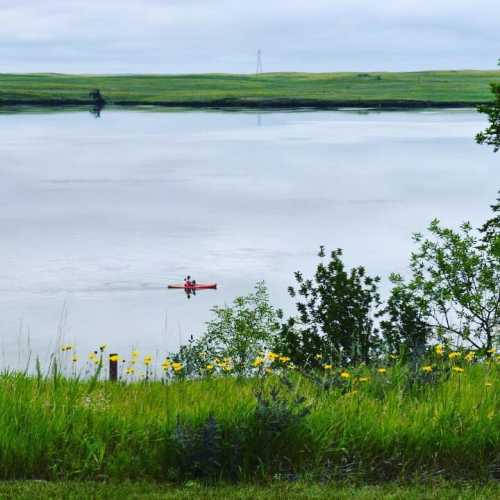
[147, 490]
[368, 425]
[440, 88]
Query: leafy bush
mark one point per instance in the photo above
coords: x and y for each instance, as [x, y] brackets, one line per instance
[334, 320]
[212, 449]
[237, 334]
[454, 290]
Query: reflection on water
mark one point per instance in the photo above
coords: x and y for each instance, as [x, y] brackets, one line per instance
[98, 216]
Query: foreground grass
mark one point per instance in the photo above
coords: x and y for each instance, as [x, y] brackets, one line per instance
[90, 490]
[265, 90]
[215, 428]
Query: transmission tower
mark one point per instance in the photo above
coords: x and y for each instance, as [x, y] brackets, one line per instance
[259, 62]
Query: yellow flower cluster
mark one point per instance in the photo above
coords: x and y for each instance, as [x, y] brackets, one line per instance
[426, 369]
[470, 356]
[226, 364]
[272, 356]
[167, 364]
[177, 367]
[257, 362]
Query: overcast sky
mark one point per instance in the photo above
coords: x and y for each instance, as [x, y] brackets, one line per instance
[188, 36]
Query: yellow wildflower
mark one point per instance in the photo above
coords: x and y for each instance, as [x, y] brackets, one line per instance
[284, 359]
[381, 370]
[134, 355]
[166, 364]
[345, 375]
[257, 362]
[364, 379]
[93, 357]
[130, 370]
[318, 356]
[439, 349]
[457, 369]
[272, 356]
[66, 347]
[470, 356]
[493, 350]
[393, 356]
[210, 366]
[327, 367]
[102, 347]
[148, 360]
[75, 358]
[114, 357]
[177, 367]
[426, 369]
[454, 355]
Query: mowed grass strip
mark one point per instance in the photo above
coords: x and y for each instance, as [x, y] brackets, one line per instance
[32, 490]
[378, 429]
[466, 87]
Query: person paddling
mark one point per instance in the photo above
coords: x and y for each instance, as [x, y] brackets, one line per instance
[187, 282]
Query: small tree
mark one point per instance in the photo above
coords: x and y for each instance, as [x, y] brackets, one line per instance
[334, 315]
[455, 285]
[491, 229]
[239, 331]
[97, 97]
[403, 327]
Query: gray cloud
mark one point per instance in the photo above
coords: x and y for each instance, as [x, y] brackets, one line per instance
[172, 36]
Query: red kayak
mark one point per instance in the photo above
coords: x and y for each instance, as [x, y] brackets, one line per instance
[198, 286]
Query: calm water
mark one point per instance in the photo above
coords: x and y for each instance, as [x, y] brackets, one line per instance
[98, 215]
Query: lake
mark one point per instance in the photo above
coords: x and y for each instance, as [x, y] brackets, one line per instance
[98, 215]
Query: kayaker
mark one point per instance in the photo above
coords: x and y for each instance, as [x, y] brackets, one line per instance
[188, 282]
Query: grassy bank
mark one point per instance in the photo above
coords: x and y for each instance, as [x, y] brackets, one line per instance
[321, 90]
[89, 490]
[366, 425]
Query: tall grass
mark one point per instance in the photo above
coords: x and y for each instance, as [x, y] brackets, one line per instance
[223, 427]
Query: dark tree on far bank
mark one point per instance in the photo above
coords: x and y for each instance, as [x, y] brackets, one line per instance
[97, 97]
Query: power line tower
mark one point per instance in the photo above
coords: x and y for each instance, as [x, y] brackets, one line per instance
[259, 62]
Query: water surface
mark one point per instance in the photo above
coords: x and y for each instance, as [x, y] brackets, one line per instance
[98, 215]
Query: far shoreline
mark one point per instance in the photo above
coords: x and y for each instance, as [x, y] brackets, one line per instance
[236, 105]
[265, 91]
